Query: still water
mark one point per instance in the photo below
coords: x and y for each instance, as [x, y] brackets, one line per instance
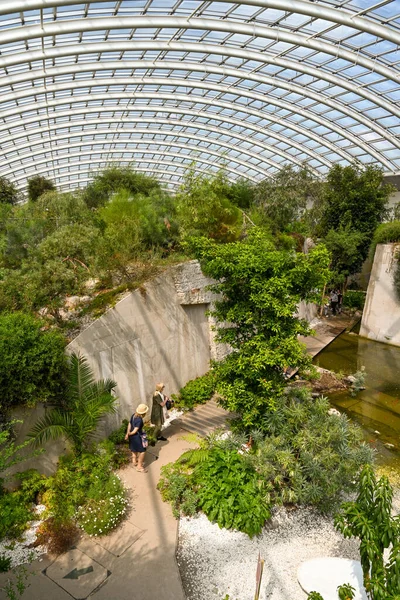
[377, 408]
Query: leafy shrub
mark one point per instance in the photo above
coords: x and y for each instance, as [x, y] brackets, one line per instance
[385, 233]
[175, 486]
[14, 515]
[32, 485]
[85, 489]
[119, 453]
[151, 434]
[32, 361]
[309, 456]
[354, 299]
[219, 482]
[57, 535]
[196, 391]
[98, 516]
[231, 493]
[118, 436]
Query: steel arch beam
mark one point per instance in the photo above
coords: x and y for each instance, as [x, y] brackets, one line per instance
[194, 125]
[247, 54]
[186, 160]
[49, 88]
[172, 110]
[143, 169]
[174, 97]
[98, 24]
[5, 170]
[318, 11]
[150, 131]
[195, 99]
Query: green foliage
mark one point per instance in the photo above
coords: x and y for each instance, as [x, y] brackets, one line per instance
[314, 596]
[345, 246]
[204, 208]
[308, 456]
[118, 436]
[283, 198]
[15, 515]
[370, 519]
[346, 592]
[385, 233]
[175, 485]
[98, 516]
[260, 288]
[231, 493]
[359, 382]
[37, 186]
[9, 194]
[32, 362]
[354, 299]
[84, 488]
[196, 391]
[5, 563]
[115, 178]
[85, 404]
[355, 201]
[9, 451]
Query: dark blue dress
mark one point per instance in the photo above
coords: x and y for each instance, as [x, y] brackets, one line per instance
[135, 441]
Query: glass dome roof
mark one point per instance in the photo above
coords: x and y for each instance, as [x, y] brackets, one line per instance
[250, 85]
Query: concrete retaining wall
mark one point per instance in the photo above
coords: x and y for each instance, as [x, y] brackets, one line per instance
[160, 332]
[381, 316]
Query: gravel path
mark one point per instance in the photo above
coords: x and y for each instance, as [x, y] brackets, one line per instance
[215, 562]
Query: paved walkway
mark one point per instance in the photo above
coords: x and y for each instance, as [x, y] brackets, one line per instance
[137, 561]
[326, 330]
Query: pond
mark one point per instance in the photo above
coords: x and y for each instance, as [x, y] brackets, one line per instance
[377, 408]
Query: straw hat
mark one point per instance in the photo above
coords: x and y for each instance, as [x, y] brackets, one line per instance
[142, 409]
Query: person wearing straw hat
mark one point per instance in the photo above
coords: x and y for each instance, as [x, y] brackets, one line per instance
[134, 434]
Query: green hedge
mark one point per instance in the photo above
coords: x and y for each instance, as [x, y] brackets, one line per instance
[32, 361]
[385, 233]
[196, 391]
[354, 299]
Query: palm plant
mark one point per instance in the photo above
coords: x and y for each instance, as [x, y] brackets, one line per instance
[86, 402]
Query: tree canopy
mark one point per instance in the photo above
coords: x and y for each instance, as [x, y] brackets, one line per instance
[260, 289]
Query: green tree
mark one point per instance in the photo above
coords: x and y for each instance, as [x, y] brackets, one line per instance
[284, 197]
[32, 362]
[86, 402]
[9, 194]
[356, 200]
[345, 246]
[260, 289]
[204, 208]
[114, 178]
[370, 519]
[37, 186]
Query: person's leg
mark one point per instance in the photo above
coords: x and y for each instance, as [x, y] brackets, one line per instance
[135, 456]
[140, 466]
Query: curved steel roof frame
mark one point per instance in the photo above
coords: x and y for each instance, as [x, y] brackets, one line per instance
[254, 85]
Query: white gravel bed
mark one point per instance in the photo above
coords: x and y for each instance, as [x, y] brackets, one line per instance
[21, 551]
[215, 562]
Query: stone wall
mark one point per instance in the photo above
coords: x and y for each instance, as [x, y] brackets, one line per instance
[160, 332]
[381, 316]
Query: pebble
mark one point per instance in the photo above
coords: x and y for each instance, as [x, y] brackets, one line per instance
[215, 562]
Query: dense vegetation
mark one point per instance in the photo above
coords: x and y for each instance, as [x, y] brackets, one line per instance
[96, 243]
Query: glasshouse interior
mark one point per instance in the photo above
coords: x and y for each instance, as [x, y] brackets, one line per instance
[200, 299]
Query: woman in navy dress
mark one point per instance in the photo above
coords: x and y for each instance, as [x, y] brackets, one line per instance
[134, 435]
